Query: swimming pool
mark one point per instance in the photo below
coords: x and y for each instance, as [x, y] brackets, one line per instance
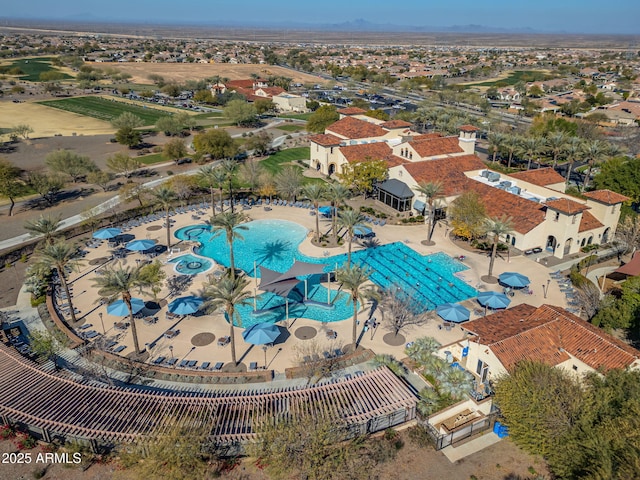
[429, 279]
[190, 264]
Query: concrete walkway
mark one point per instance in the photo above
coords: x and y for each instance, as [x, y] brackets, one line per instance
[469, 448]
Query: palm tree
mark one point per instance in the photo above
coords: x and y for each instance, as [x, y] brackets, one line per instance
[423, 349]
[165, 197]
[337, 194]
[230, 222]
[557, 142]
[572, 149]
[353, 278]
[496, 141]
[497, 227]
[456, 383]
[529, 147]
[208, 178]
[117, 282]
[289, 182]
[511, 144]
[432, 191]
[315, 192]
[62, 256]
[44, 226]
[229, 166]
[228, 292]
[593, 152]
[350, 219]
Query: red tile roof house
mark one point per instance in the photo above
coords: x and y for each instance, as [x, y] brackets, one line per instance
[543, 215]
[548, 334]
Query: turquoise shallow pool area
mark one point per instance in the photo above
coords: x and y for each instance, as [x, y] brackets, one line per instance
[428, 279]
[190, 264]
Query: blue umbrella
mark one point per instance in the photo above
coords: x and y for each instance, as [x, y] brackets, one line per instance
[326, 211]
[493, 300]
[185, 305]
[514, 279]
[107, 233]
[120, 309]
[452, 312]
[362, 231]
[261, 333]
[140, 245]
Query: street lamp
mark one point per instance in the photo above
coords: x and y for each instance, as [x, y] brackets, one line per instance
[171, 350]
[264, 349]
[104, 332]
[546, 290]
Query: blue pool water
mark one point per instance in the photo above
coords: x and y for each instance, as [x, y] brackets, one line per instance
[429, 280]
[190, 264]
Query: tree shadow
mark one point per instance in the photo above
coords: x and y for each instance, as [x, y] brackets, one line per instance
[271, 251]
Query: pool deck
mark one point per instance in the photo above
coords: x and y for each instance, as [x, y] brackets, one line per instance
[290, 352]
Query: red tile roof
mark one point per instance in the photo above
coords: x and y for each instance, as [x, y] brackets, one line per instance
[541, 176]
[469, 128]
[393, 124]
[448, 171]
[550, 334]
[588, 222]
[433, 146]
[525, 214]
[240, 84]
[351, 111]
[325, 140]
[272, 91]
[567, 206]
[606, 196]
[352, 128]
[366, 151]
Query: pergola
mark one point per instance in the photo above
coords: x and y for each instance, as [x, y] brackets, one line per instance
[396, 194]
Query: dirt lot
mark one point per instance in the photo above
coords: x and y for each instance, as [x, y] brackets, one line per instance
[179, 72]
[47, 122]
[412, 463]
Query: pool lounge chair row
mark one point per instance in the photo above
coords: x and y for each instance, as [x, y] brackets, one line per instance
[193, 364]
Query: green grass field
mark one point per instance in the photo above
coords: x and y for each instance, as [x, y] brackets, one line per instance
[153, 159]
[33, 67]
[515, 77]
[299, 116]
[104, 109]
[276, 162]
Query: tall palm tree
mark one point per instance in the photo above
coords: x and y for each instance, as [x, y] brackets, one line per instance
[230, 222]
[432, 191]
[229, 292]
[337, 194]
[511, 146]
[62, 256]
[350, 219]
[354, 278]
[423, 349]
[315, 192]
[164, 197]
[229, 166]
[496, 141]
[593, 151]
[44, 226]
[117, 282]
[572, 150]
[497, 227]
[208, 178]
[557, 142]
[529, 147]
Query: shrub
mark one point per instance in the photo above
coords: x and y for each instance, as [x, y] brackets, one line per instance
[7, 431]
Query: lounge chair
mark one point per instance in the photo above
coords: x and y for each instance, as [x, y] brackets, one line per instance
[327, 355]
[119, 348]
[192, 363]
[253, 366]
[218, 366]
[337, 352]
[205, 365]
[172, 362]
[184, 363]
[158, 360]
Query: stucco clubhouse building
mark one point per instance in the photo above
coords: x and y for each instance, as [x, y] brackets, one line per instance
[543, 215]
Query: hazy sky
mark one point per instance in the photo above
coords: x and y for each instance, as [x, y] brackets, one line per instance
[585, 16]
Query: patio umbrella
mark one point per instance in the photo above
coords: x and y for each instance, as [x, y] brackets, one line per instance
[514, 279]
[493, 300]
[362, 231]
[452, 312]
[119, 308]
[261, 333]
[107, 233]
[326, 211]
[140, 245]
[185, 305]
